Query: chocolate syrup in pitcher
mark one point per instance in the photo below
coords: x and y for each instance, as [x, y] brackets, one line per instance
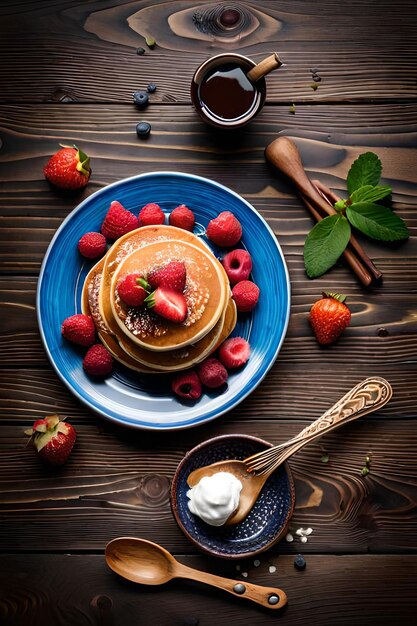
[227, 93]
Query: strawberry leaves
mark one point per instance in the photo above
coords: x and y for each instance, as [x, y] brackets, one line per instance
[329, 237]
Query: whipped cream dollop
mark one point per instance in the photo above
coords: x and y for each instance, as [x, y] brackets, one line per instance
[215, 497]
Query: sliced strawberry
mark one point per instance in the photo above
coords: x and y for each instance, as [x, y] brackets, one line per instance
[171, 275]
[168, 303]
[53, 438]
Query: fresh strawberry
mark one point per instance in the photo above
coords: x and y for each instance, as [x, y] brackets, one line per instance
[98, 361]
[172, 275]
[234, 352]
[225, 230]
[246, 295]
[133, 289]
[212, 373]
[68, 168]
[151, 214]
[187, 385]
[53, 438]
[168, 303]
[182, 217]
[79, 329]
[238, 265]
[329, 317]
[92, 245]
[118, 221]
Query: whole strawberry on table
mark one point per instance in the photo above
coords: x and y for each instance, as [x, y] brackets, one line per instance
[329, 317]
[69, 168]
[53, 438]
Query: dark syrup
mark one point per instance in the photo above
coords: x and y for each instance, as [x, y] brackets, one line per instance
[227, 93]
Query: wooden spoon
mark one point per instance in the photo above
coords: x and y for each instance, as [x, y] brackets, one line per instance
[366, 397]
[145, 562]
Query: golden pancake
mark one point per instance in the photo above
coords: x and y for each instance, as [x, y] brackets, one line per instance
[89, 306]
[134, 240]
[204, 293]
[184, 358]
[142, 360]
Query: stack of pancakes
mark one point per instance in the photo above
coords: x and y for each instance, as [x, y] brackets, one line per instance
[138, 337]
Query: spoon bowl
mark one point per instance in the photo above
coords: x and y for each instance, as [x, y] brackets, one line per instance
[140, 561]
[148, 563]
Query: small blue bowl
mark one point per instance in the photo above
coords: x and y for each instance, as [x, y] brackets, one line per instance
[267, 522]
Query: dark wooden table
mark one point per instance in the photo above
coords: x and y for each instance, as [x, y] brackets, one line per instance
[68, 72]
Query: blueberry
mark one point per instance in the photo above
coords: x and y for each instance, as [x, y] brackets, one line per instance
[140, 51]
[141, 98]
[151, 87]
[299, 562]
[143, 129]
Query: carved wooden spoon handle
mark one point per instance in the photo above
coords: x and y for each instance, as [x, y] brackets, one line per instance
[369, 395]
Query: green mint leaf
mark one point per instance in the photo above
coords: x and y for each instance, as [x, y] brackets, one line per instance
[325, 243]
[366, 170]
[377, 221]
[369, 193]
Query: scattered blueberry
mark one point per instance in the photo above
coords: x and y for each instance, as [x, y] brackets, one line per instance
[143, 129]
[151, 87]
[299, 562]
[140, 51]
[141, 98]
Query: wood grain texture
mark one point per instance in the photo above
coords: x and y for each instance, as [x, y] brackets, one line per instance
[32, 211]
[67, 73]
[84, 52]
[117, 483]
[82, 591]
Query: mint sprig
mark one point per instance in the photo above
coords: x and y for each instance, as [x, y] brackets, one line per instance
[328, 239]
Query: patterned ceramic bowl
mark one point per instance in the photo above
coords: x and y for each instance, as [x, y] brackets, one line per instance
[266, 523]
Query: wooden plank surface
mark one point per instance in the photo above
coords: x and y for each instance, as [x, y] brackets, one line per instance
[82, 591]
[117, 482]
[67, 73]
[86, 52]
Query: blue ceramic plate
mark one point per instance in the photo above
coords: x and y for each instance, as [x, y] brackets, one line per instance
[266, 523]
[146, 401]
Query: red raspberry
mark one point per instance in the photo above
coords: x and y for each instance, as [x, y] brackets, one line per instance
[151, 214]
[238, 265]
[182, 217]
[234, 352]
[187, 385]
[212, 373]
[118, 221]
[171, 275]
[92, 245]
[225, 230]
[246, 295]
[98, 361]
[133, 289]
[79, 329]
